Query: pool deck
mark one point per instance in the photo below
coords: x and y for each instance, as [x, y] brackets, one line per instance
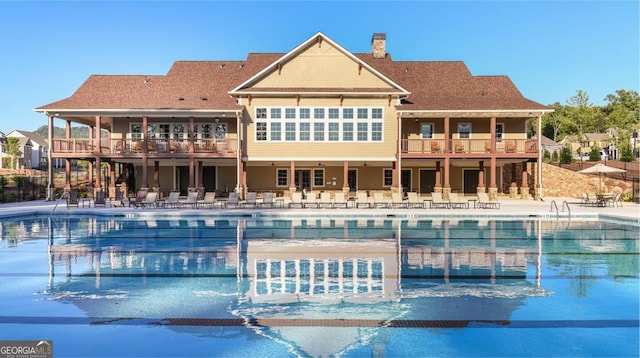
[508, 208]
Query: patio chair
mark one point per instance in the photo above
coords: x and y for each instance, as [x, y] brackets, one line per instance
[485, 203]
[296, 200]
[267, 199]
[100, 199]
[251, 200]
[150, 200]
[325, 200]
[209, 200]
[435, 147]
[616, 202]
[397, 201]
[233, 201]
[72, 198]
[379, 201]
[437, 202]
[137, 201]
[362, 199]
[311, 199]
[510, 146]
[172, 201]
[191, 200]
[457, 202]
[119, 199]
[414, 201]
[339, 200]
[458, 147]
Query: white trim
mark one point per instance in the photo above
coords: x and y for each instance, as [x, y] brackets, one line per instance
[317, 159]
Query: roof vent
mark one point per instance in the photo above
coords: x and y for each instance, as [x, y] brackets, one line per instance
[221, 65]
[204, 98]
[180, 98]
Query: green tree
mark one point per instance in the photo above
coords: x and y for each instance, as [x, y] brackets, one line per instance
[626, 153]
[583, 114]
[622, 109]
[12, 148]
[565, 155]
[594, 154]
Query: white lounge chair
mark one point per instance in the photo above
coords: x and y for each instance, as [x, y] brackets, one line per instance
[339, 200]
[438, 202]
[485, 203]
[397, 201]
[172, 201]
[325, 200]
[209, 200]
[267, 200]
[414, 201]
[191, 200]
[457, 202]
[296, 200]
[362, 200]
[251, 199]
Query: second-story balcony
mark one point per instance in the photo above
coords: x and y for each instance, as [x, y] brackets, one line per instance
[437, 147]
[217, 147]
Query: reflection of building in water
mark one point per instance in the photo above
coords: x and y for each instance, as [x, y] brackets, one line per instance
[343, 280]
[324, 269]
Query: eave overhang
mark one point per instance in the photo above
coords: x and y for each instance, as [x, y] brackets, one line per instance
[518, 113]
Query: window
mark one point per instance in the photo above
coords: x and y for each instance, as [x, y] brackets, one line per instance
[290, 113]
[136, 130]
[376, 113]
[276, 131]
[318, 131]
[276, 113]
[305, 131]
[347, 113]
[363, 113]
[305, 113]
[282, 177]
[261, 113]
[164, 132]
[464, 130]
[427, 130]
[334, 113]
[376, 131]
[203, 131]
[221, 131]
[318, 177]
[334, 131]
[362, 132]
[387, 179]
[318, 113]
[261, 131]
[347, 132]
[290, 131]
[499, 131]
[178, 131]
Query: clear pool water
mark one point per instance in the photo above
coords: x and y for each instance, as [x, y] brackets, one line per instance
[320, 287]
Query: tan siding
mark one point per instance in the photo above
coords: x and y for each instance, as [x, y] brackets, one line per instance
[319, 67]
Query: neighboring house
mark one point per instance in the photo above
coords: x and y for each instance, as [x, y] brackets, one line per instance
[38, 147]
[24, 157]
[587, 141]
[549, 145]
[318, 118]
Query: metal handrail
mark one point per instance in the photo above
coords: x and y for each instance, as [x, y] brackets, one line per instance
[554, 205]
[565, 203]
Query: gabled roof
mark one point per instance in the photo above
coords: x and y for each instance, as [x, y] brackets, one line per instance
[319, 37]
[211, 86]
[33, 136]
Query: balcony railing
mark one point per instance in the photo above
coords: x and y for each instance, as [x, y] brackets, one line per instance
[158, 146]
[434, 147]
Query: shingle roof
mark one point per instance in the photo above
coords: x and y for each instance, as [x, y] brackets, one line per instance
[434, 85]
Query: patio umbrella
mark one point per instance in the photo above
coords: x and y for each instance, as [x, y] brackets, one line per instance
[600, 169]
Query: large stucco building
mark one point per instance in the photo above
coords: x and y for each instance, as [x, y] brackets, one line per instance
[317, 117]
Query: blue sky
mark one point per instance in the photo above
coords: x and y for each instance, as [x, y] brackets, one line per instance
[549, 49]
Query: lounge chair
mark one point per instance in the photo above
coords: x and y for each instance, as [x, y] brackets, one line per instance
[485, 203]
[172, 201]
[380, 202]
[437, 202]
[339, 200]
[362, 199]
[325, 200]
[119, 199]
[72, 198]
[233, 201]
[251, 200]
[141, 195]
[414, 201]
[209, 200]
[397, 201]
[311, 200]
[100, 199]
[267, 200]
[616, 202]
[457, 202]
[191, 200]
[150, 200]
[296, 200]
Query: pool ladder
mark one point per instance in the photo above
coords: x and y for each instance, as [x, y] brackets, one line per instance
[554, 207]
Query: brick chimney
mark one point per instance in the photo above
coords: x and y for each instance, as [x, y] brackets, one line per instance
[379, 45]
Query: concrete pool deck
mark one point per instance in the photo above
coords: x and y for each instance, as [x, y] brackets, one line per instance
[508, 208]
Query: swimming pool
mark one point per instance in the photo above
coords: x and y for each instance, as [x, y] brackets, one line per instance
[163, 286]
